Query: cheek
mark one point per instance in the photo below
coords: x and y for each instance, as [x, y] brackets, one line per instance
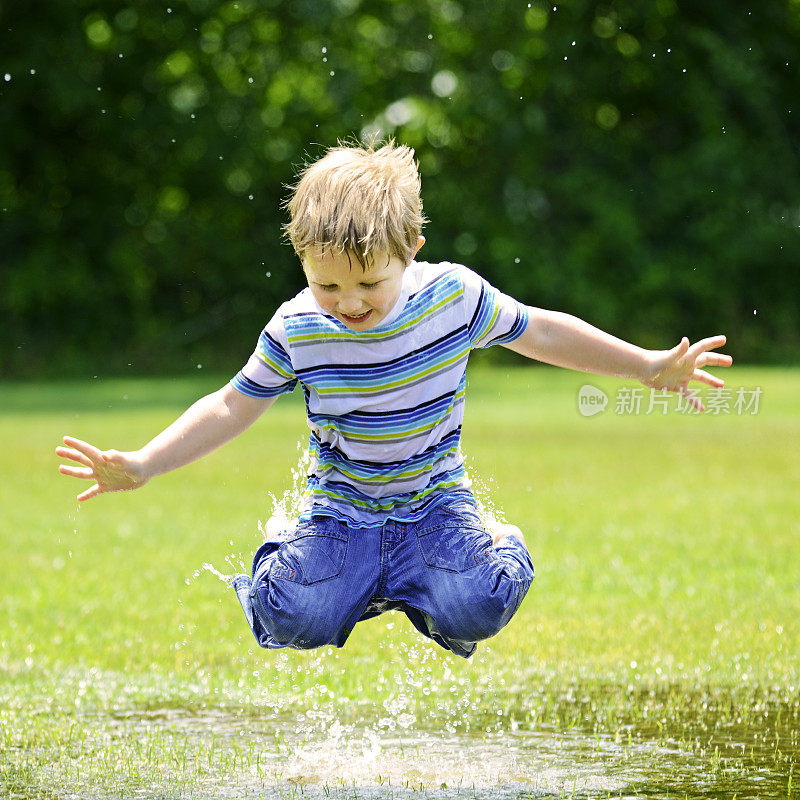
[326, 301]
[388, 297]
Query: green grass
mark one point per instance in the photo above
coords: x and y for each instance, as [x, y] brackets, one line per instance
[667, 551]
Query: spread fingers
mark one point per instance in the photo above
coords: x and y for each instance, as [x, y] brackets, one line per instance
[77, 472]
[74, 455]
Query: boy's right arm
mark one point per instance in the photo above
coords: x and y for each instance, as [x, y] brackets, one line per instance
[210, 422]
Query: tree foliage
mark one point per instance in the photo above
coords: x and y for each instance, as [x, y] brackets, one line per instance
[635, 163]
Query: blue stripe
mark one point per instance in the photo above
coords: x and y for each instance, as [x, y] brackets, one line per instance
[330, 455]
[244, 385]
[274, 352]
[392, 421]
[350, 493]
[520, 324]
[350, 376]
[389, 422]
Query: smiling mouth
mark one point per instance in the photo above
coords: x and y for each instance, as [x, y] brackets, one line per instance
[357, 318]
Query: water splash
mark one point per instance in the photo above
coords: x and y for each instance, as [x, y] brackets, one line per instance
[286, 508]
[226, 579]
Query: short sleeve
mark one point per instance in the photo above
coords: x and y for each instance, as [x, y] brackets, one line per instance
[494, 317]
[269, 371]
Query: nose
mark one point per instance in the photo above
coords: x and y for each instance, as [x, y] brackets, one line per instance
[351, 303]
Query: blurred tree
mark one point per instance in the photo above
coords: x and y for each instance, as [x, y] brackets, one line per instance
[635, 163]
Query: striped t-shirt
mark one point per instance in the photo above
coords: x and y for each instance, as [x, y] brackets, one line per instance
[385, 405]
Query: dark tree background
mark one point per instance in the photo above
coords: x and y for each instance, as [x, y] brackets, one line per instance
[635, 163]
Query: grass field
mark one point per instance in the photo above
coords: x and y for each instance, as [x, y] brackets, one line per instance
[657, 653]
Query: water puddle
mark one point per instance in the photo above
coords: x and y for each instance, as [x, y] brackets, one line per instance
[227, 753]
[588, 741]
[286, 758]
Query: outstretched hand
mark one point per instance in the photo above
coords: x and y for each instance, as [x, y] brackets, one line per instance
[111, 470]
[673, 369]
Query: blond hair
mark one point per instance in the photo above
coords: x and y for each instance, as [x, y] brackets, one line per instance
[358, 199]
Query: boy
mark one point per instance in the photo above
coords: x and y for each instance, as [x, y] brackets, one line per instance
[379, 344]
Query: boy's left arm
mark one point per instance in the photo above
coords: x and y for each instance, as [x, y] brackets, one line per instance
[566, 341]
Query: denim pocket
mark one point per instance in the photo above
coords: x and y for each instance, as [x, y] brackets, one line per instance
[454, 545]
[315, 552]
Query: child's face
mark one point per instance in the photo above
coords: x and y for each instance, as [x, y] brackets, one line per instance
[360, 298]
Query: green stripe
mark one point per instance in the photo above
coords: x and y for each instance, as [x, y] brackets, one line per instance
[359, 436]
[367, 335]
[438, 367]
[275, 366]
[378, 506]
[491, 323]
[384, 478]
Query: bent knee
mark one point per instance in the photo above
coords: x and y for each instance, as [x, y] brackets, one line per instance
[485, 611]
[296, 616]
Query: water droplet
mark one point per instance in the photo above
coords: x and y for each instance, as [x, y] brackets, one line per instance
[324, 49]
[249, 197]
[573, 44]
[268, 274]
[249, 80]
[332, 73]
[430, 36]
[199, 366]
[755, 312]
[7, 76]
[33, 71]
[516, 260]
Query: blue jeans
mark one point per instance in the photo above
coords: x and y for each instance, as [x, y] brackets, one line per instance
[310, 588]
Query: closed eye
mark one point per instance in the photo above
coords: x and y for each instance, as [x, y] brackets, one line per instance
[333, 287]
